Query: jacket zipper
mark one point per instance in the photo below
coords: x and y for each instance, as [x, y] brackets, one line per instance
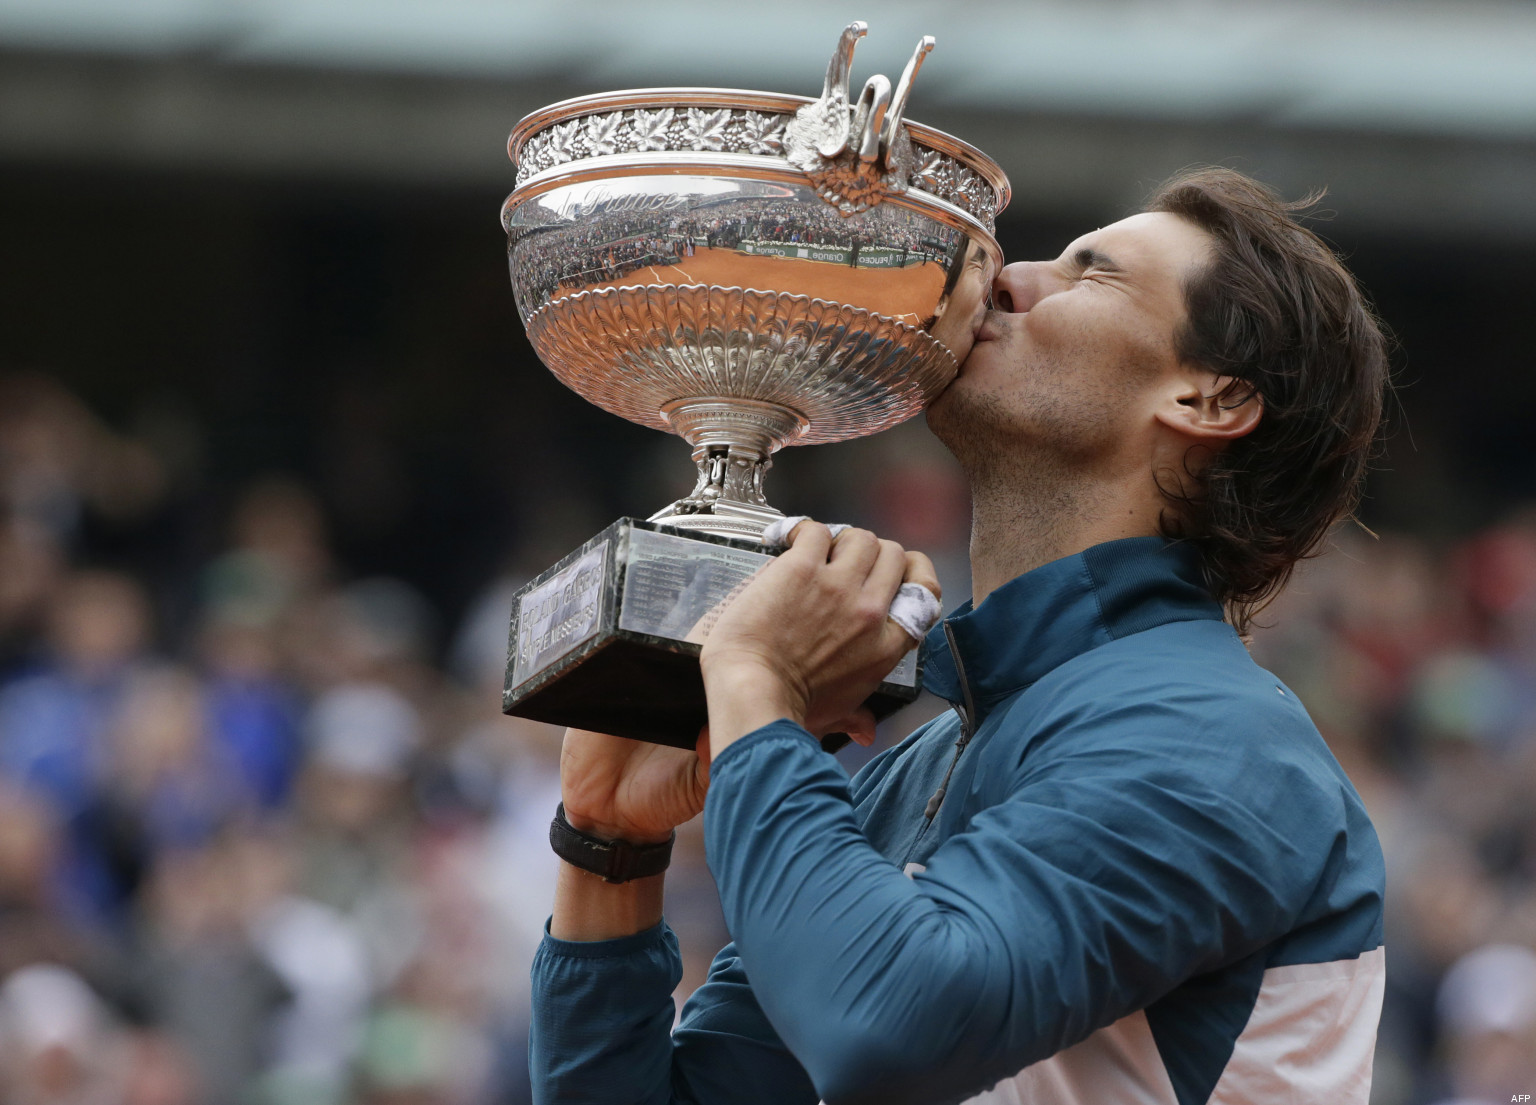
[967, 711]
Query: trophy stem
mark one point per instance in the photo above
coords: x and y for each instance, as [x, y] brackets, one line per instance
[733, 441]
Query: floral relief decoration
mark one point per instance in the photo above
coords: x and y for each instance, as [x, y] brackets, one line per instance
[726, 130]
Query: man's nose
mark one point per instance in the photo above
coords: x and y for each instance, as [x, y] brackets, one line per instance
[1021, 285]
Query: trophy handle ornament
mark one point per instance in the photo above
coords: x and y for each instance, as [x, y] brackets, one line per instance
[857, 154]
[892, 134]
[830, 114]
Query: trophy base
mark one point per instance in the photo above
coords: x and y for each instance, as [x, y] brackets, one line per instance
[609, 638]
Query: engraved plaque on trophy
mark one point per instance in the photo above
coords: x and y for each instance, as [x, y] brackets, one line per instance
[747, 270]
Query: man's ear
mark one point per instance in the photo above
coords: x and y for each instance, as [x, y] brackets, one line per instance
[1211, 408]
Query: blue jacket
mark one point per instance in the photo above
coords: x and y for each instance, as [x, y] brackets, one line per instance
[1148, 881]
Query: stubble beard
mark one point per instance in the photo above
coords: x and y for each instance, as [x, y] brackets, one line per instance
[1027, 459]
[1034, 440]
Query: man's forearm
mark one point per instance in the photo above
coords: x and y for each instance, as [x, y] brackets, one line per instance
[587, 908]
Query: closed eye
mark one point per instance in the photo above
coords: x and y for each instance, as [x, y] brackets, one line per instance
[1089, 260]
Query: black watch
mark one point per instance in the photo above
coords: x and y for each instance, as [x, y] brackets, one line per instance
[613, 860]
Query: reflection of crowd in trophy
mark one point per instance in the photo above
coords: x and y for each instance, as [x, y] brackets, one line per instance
[558, 257]
[595, 255]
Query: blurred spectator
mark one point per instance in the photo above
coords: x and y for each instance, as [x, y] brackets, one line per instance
[1487, 1008]
[37, 919]
[54, 723]
[168, 784]
[355, 821]
[31, 566]
[60, 1045]
[278, 554]
[56, 458]
[54, 1030]
[196, 971]
[252, 709]
[376, 630]
[323, 965]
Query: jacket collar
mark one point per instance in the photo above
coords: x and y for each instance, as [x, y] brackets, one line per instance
[1047, 616]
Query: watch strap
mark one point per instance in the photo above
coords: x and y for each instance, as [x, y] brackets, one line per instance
[612, 860]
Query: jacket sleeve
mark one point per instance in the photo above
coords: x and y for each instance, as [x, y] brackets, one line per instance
[602, 1018]
[602, 1030]
[1101, 882]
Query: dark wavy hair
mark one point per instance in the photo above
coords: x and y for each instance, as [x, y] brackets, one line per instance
[1276, 310]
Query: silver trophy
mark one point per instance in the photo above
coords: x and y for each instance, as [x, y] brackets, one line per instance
[747, 270]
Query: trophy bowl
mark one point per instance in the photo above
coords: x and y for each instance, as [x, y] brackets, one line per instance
[747, 270]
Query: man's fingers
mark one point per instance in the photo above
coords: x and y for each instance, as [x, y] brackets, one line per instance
[916, 609]
[810, 539]
[887, 572]
[897, 586]
[778, 533]
[919, 569]
[855, 552]
[859, 726]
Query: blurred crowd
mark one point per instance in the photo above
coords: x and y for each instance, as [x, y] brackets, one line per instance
[266, 839]
[286, 852]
